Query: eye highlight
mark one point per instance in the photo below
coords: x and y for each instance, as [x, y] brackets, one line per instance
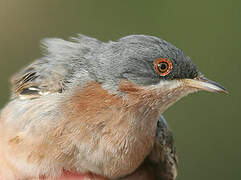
[162, 66]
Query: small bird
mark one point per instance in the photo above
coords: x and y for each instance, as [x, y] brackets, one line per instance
[94, 109]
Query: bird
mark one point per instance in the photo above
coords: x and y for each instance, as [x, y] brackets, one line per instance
[94, 109]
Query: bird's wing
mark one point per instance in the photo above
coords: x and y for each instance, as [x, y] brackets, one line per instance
[50, 73]
[162, 162]
[163, 157]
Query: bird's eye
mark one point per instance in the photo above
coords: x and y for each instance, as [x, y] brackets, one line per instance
[162, 66]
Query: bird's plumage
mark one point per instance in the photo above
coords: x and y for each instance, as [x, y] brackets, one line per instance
[92, 106]
[64, 61]
[162, 162]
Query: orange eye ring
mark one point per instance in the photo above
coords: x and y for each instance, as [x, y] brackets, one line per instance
[162, 66]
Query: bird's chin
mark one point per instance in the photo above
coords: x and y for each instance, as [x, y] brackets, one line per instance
[169, 97]
[170, 91]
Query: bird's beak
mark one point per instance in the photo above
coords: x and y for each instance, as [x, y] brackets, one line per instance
[202, 83]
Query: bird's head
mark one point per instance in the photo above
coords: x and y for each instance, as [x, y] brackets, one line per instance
[152, 64]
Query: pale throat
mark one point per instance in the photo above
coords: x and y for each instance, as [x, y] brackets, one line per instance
[168, 92]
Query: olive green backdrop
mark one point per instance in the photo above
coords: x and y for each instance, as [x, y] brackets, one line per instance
[206, 126]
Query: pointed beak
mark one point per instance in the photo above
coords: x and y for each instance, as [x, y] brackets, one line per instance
[202, 83]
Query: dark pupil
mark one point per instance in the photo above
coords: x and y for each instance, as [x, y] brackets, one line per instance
[163, 66]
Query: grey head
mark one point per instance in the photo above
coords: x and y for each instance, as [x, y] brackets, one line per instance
[133, 58]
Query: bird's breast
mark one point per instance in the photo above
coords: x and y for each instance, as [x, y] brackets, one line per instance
[89, 130]
[113, 134]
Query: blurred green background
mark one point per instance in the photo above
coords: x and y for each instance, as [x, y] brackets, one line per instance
[206, 126]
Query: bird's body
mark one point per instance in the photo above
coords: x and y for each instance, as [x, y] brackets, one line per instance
[93, 107]
[110, 137]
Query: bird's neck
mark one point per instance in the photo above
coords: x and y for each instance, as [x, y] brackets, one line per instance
[123, 127]
[135, 113]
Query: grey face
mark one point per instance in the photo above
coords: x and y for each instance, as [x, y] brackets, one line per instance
[132, 58]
